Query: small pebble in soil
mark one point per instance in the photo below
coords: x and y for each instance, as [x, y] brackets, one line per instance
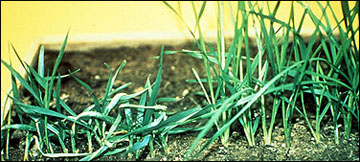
[185, 92]
[97, 77]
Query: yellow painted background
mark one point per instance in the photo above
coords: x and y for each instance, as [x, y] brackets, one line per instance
[25, 24]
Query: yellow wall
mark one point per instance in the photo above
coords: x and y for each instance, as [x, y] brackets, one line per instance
[25, 24]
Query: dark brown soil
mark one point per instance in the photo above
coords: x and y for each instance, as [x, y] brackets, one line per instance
[176, 69]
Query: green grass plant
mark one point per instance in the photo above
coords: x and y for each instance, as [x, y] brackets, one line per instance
[285, 67]
[136, 126]
[40, 88]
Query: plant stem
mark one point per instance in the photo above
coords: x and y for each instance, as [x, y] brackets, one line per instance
[348, 118]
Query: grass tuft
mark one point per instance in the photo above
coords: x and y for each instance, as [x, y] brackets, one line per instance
[286, 68]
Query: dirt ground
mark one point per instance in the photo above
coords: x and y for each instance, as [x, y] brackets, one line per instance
[176, 70]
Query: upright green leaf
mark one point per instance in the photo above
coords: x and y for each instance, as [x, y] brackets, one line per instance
[154, 93]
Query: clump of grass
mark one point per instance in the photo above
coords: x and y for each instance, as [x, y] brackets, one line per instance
[37, 123]
[237, 90]
[136, 126]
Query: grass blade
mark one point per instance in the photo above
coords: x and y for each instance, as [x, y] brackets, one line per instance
[25, 127]
[23, 82]
[154, 93]
[41, 61]
[36, 110]
[138, 145]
